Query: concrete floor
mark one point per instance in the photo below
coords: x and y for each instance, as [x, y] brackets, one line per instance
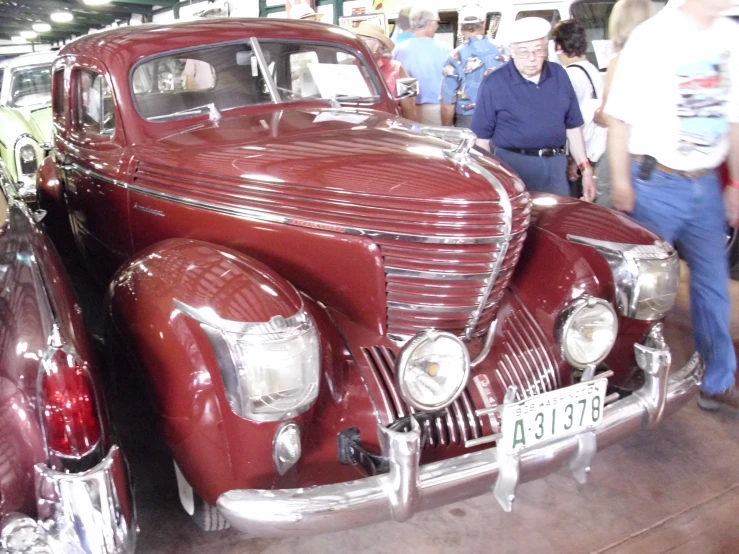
[674, 489]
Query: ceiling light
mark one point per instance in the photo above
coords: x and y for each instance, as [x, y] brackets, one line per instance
[18, 38]
[41, 27]
[28, 34]
[62, 17]
[96, 2]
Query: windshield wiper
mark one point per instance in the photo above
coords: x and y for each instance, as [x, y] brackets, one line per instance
[358, 99]
[196, 110]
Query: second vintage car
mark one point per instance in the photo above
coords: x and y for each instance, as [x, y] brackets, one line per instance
[343, 317]
[25, 116]
[64, 485]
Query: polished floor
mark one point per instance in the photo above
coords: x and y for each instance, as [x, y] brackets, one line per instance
[674, 489]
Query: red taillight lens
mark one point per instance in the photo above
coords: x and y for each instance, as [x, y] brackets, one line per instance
[68, 406]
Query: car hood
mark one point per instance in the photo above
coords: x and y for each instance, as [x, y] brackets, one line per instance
[349, 152]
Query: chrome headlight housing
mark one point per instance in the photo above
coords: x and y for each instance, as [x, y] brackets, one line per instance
[26, 159]
[587, 331]
[432, 370]
[270, 370]
[646, 276]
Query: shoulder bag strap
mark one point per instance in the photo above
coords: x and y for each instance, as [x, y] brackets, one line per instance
[595, 95]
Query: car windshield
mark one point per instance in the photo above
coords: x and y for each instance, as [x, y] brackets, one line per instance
[216, 78]
[594, 14]
[30, 86]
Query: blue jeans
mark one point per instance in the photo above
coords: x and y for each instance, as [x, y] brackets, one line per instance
[538, 174]
[692, 212]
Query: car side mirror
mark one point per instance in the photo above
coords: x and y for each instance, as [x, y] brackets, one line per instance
[406, 88]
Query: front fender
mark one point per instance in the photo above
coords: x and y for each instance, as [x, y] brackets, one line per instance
[210, 443]
[553, 271]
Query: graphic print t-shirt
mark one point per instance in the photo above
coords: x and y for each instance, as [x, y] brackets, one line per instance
[677, 88]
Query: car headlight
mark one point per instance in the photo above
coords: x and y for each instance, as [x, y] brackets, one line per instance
[587, 331]
[270, 370]
[432, 370]
[277, 368]
[27, 156]
[646, 277]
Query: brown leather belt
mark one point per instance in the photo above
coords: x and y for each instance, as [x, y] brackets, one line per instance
[695, 174]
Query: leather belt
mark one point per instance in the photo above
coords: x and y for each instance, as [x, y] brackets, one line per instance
[695, 174]
[542, 152]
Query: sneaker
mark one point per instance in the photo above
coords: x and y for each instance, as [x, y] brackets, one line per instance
[727, 401]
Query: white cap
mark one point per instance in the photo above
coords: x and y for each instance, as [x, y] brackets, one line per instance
[529, 28]
[301, 11]
[471, 14]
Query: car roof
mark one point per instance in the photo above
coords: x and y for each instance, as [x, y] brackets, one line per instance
[34, 58]
[124, 46]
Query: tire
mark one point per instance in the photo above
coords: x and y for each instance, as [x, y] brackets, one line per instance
[204, 515]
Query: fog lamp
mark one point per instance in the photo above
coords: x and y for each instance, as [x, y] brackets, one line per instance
[432, 370]
[286, 449]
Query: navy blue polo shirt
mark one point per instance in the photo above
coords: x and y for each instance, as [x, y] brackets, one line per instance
[516, 113]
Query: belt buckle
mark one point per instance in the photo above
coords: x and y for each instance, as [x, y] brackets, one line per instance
[542, 152]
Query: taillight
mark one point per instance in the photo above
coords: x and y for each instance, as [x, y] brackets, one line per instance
[68, 406]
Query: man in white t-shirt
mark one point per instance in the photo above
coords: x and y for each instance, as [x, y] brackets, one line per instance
[675, 99]
[199, 75]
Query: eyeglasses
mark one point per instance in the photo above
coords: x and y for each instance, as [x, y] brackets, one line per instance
[525, 53]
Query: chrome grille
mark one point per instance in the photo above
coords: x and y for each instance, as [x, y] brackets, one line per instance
[526, 361]
[441, 285]
[456, 425]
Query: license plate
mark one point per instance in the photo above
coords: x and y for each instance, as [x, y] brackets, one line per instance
[552, 414]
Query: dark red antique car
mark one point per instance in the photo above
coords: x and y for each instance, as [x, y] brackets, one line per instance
[343, 317]
[63, 480]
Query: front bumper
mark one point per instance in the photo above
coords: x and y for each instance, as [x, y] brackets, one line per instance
[409, 488]
[79, 513]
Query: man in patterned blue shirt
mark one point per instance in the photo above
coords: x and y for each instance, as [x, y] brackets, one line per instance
[466, 67]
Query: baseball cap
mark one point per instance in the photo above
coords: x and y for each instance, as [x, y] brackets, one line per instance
[529, 28]
[472, 13]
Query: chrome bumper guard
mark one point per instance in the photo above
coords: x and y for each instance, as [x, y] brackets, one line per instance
[409, 488]
[79, 513]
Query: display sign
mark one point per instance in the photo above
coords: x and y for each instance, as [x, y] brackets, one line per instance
[349, 22]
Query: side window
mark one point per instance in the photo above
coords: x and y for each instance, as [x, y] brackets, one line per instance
[95, 114]
[58, 97]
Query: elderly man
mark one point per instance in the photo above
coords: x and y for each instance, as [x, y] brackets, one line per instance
[466, 67]
[528, 110]
[423, 59]
[672, 124]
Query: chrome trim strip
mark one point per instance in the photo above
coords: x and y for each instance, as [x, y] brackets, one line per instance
[538, 343]
[505, 202]
[433, 275]
[486, 346]
[396, 495]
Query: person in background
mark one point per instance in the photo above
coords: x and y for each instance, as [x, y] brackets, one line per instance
[673, 122]
[466, 67]
[381, 47]
[527, 110]
[305, 13]
[423, 58]
[570, 44]
[402, 30]
[625, 17]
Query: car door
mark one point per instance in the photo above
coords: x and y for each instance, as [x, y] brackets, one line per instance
[92, 161]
